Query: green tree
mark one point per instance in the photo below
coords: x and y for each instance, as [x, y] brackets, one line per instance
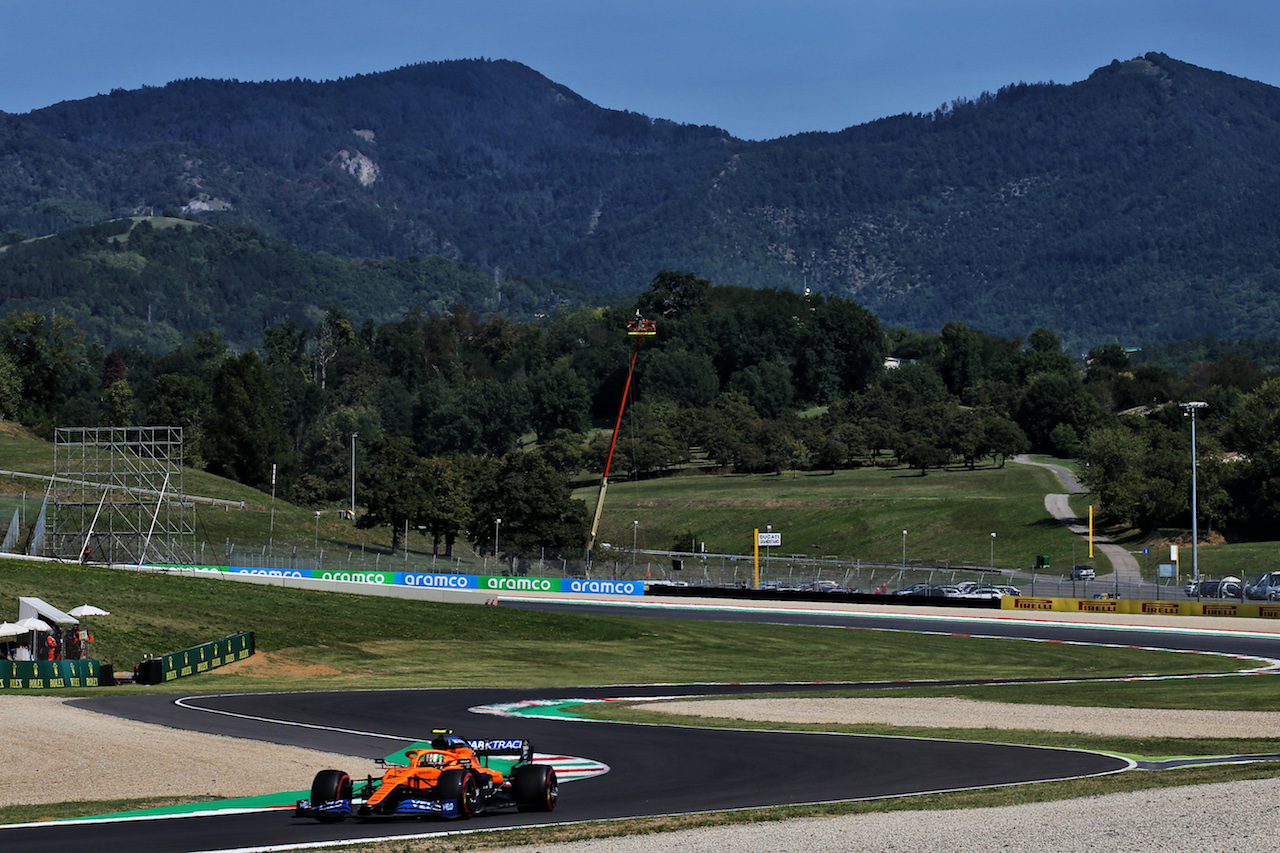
[535, 504]
[447, 510]
[45, 352]
[960, 358]
[768, 387]
[559, 399]
[920, 451]
[118, 404]
[841, 352]
[243, 436]
[10, 387]
[1050, 399]
[1002, 438]
[679, 376]
[966, 435]
[563, 451]
[394, 483]
[673, 292]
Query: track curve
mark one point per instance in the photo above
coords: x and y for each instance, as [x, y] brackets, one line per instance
[655, 769]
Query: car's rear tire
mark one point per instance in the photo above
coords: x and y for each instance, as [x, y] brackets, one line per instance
[330, 785]
[534, 788]
[459, 785]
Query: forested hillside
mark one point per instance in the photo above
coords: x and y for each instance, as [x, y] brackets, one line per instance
[484, 162]
[1138, 205]
[151, 282]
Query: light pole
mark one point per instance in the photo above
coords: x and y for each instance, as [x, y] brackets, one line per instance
[904, 550]
[635, 532]
[353, 474]
[993, 552]
[317, 542]
[497, 522]
[271, 537]
[1190, 409]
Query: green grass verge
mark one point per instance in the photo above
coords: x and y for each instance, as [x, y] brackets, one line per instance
[89, 808]
[334, 641]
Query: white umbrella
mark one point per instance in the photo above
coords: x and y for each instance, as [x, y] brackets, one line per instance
[33, 624]
[10, 629]
[87, 610]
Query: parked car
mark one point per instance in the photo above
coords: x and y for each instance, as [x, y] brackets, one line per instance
[930, 590]
[823, 586]
[1225, 588]
[990, 591]
[1265, 588]
[1083, 573]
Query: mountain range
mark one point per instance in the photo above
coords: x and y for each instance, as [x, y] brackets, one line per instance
[1138, 205]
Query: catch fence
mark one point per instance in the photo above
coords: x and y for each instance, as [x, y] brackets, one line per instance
[778, 572]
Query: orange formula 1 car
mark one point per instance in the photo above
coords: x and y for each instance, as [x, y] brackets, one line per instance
[452, 779]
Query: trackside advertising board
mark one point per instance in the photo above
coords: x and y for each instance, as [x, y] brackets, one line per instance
[1174, 607]
[48, 674]
[483, 583]
[196, 659]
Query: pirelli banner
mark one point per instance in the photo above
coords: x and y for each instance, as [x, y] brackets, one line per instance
[483, 583]
[196, 659]
[48, 674]
[1168, 607]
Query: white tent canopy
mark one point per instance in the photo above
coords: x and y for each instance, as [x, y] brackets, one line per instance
[37, 607]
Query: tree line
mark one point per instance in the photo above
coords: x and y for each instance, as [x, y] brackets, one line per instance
[457, 420]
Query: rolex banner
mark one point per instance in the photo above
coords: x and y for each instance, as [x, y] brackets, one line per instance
[47, 674]
[196, 659]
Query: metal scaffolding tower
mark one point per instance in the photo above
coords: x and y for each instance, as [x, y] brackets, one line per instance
[118, 496]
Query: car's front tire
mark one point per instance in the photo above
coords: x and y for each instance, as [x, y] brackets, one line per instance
[330, 785]
[459, 785]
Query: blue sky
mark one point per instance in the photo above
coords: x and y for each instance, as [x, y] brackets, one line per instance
[758, 68]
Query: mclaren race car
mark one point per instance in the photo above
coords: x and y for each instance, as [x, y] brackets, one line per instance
[451, 779]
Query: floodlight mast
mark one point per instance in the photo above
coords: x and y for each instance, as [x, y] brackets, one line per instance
[1190, 410]
[639, 328]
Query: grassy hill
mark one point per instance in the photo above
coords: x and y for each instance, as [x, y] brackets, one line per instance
[858, 514]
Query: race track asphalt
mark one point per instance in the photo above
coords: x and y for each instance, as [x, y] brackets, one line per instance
[654, 769]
